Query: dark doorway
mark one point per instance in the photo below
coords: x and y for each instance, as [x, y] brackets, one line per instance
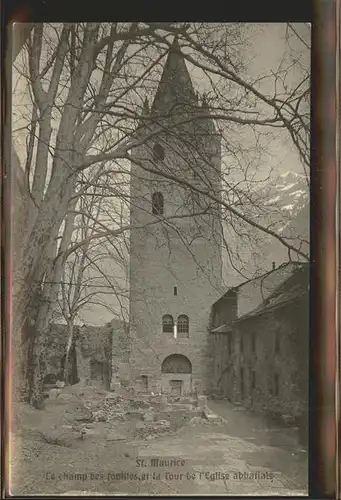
[96, 370]
[176, 387]
[176, 375]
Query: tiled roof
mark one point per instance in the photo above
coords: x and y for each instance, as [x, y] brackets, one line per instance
[261, 278]
[293, 288]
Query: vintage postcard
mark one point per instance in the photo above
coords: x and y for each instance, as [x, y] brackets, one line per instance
[160, 177]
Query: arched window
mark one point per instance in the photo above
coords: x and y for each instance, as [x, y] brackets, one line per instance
[183, 326]
[158, 152]
[167, 323]
[157, 203]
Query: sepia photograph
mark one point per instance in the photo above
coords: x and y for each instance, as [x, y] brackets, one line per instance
[160, 259]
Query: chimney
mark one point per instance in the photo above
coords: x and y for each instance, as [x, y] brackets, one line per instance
[273, 266]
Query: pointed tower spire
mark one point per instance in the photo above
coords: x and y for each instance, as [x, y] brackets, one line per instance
[175, 85]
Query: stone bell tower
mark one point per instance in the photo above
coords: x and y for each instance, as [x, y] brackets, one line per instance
[175, 248]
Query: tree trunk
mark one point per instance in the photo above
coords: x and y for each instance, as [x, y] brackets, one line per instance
[36, 369]
[42, 312]
[67, 364]
[37, 366]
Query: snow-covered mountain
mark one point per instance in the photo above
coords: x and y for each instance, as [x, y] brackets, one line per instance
[286, 201]
[288, 193]
[282, 205]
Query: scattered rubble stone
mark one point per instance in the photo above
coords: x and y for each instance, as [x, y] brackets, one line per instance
[99, 416]
[115, 415]
[164, 423]
[83, 418]
[212, 417]
[66, 396]
[140, 425]
[148, 416]
[89, 432]
[202, 402]
[59, 437]
[114, 436]
[139, 404]
[134, 413]
[115, 386]
[54, 393]
[113, 397]
[156, 414]
[197, 421]
[83, 415]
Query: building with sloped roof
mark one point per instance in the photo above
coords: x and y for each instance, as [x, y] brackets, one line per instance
[260, 357]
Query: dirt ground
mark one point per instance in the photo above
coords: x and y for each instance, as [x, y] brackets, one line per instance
[64, 449]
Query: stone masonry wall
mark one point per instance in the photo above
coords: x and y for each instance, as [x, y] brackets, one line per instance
[290, 362]
[164, 256]
[120, 357]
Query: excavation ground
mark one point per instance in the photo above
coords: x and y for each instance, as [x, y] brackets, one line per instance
[87, 441]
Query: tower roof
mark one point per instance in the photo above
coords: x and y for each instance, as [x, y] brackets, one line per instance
[175, 85]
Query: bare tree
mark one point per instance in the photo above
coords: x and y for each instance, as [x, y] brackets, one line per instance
[85, 280]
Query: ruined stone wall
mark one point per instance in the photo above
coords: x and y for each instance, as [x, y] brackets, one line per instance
[93, 351]
[121, 372]
[56, 346]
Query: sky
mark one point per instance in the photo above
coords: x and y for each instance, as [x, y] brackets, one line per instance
[267, 51]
